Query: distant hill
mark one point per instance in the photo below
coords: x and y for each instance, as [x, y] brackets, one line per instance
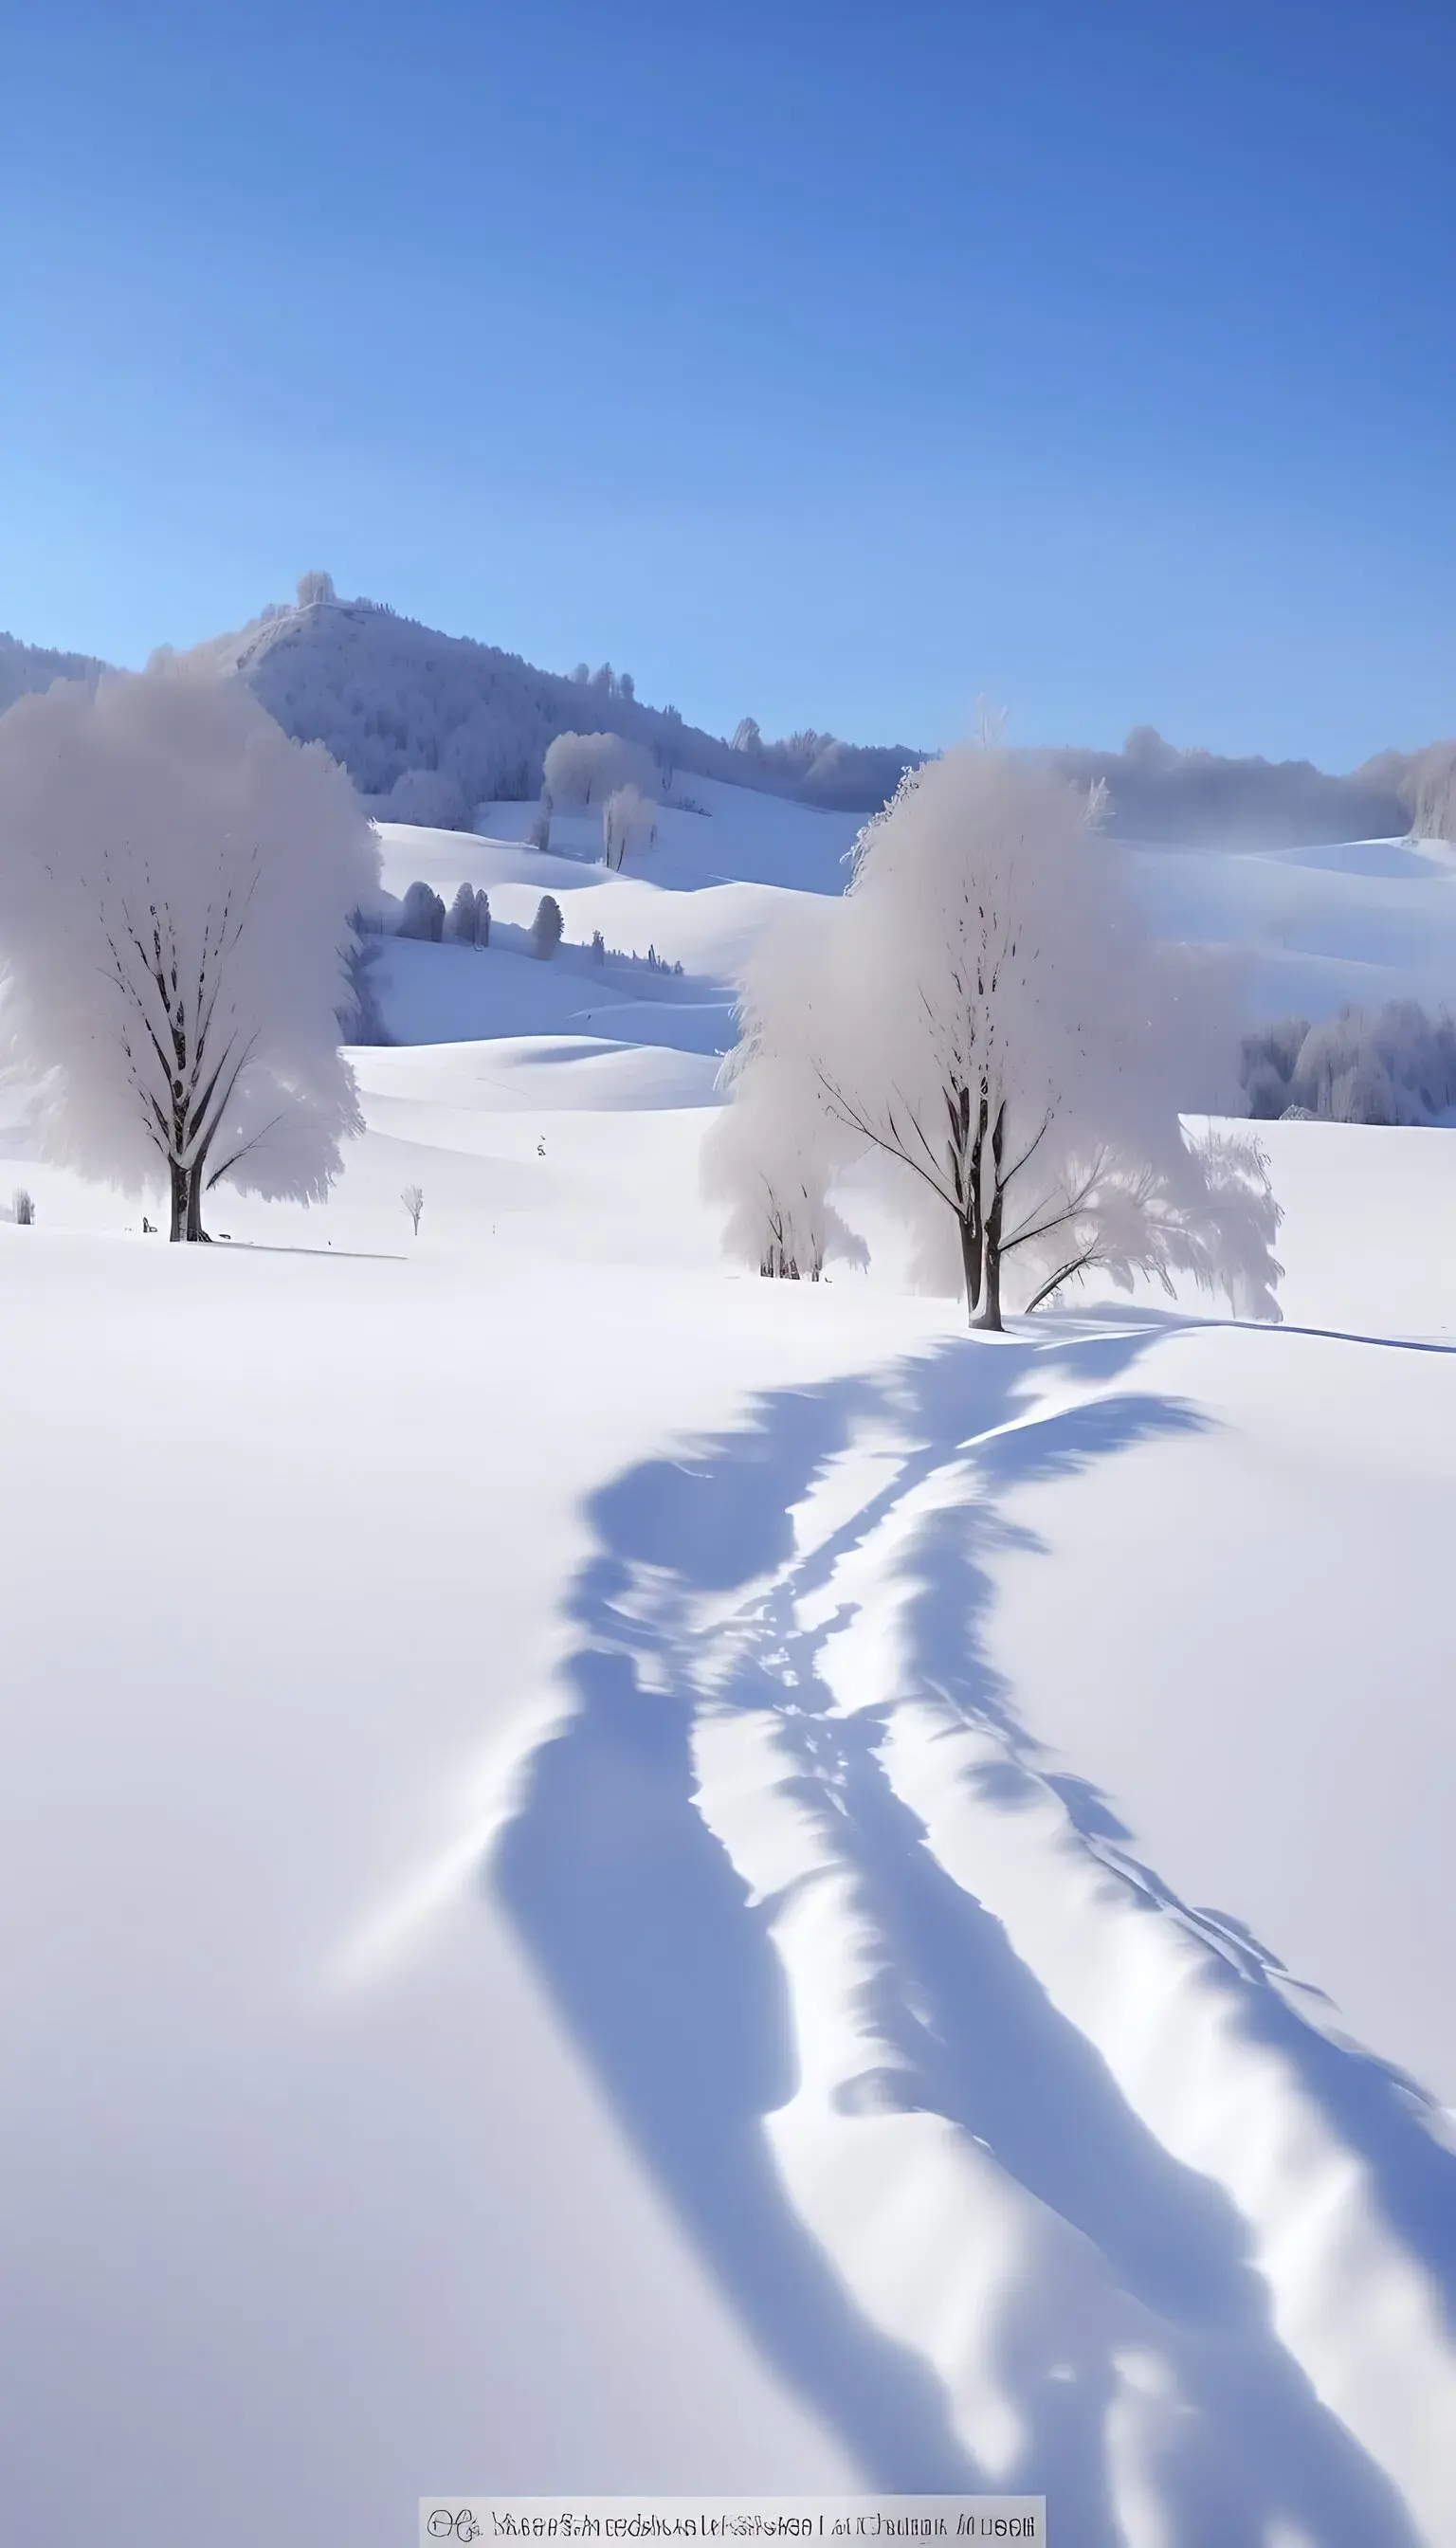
[430, 726]
[450, 723]
[390, 697]
[35, 667]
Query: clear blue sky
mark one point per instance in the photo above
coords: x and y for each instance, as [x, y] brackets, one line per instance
[823, 361]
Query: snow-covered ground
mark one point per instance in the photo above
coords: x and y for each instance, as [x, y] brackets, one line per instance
[1365, 922]
[617, 1877]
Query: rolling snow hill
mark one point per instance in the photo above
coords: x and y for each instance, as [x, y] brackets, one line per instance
[619, 1877]
[1361, 922]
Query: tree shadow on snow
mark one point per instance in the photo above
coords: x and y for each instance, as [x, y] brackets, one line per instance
[668, 1975]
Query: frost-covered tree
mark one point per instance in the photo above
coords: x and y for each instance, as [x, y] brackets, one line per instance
[584, 768]
[422, 914]
[626, 686]
[628, 821]
[539, 834]
[598, 948]
[412, 1199]
[314, 587]
[582, 675]
[481, 917]
[1391, 1065]
[460, 920]
[433, 797]
[174, 880]
[547, 927]
[605, 678]
[768, 1163]
[23, 1207]
[746, 736]
[984, 1012]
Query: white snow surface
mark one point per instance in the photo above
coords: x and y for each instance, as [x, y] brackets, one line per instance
[622, 1877]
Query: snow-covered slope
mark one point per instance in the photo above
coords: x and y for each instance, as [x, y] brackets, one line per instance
[617, 1877]
[395, 701]
[1362, 922]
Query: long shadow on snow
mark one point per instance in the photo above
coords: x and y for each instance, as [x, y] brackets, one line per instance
[1381, 2113]
[645, 1933]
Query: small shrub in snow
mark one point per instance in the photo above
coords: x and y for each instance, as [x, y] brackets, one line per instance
[412, 1199]
[539, 835]
[547, 927]
[422, 914]
[23, 1206]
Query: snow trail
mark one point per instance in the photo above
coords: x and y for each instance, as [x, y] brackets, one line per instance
[1027, 2172]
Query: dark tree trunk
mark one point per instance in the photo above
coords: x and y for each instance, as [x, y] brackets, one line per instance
[989, 1318]
[991, 1314]
[970, 1265]
[179, 1196]
[195, 1230]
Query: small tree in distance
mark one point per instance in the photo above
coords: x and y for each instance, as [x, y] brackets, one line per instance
[23, 1206]
[481, 917]
[460, 921]
[412, 1199]
[628, 818]
[584, 768]
[424, 914]
[547, 928]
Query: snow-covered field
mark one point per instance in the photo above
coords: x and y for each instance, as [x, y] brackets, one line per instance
[617, 1877]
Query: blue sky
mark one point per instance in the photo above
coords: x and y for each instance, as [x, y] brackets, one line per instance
[831, 363]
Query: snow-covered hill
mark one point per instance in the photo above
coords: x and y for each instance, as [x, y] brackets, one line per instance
[396, 701]
[618, 1877]
[1363, 921]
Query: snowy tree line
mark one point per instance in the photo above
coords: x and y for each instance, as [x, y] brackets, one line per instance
[467, 923]
[1391, 1065]
[24, 669]
[983, 1025]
